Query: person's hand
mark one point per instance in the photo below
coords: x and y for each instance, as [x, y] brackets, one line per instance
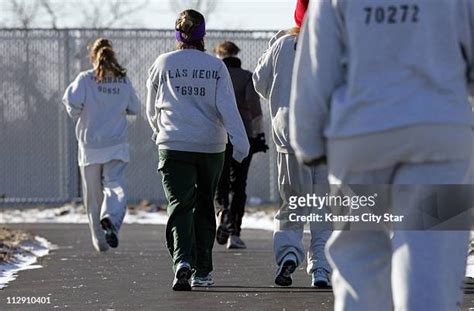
[258, 144]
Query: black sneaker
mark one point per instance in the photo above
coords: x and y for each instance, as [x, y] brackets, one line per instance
[284, 272]
[235, 242]
[181, 279]
[320, 278]
[110, 232]
[222, 234]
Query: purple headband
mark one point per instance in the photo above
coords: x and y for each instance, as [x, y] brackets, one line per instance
[196, 35]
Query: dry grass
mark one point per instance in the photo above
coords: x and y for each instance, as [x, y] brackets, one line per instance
[10, 241]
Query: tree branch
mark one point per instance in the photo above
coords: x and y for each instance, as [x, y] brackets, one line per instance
[205, 7]
[119, 11]
[47, 6]
[20, 11]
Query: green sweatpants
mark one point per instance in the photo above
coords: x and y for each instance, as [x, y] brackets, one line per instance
[189, 181]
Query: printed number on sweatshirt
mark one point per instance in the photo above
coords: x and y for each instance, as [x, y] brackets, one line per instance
[392, 14]
[108, 90]
[191, 90]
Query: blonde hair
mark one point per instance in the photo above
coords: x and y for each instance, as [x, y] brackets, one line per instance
[103, 57]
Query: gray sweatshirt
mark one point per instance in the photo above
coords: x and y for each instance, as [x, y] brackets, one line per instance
[405, 67]
[272, 81]
[191, 104]
[100, 109]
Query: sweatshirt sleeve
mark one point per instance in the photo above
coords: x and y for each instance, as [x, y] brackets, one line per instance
[253, 100]
[151, 112]
[277, 36]
[316, 74]
[75, 96]
[230, 116]
[469, 44]
[133, 107]
[263, 74]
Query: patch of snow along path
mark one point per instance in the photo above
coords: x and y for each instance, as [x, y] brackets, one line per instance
[26, 259]
[76, 215]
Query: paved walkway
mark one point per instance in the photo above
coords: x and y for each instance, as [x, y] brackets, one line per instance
[137, 276]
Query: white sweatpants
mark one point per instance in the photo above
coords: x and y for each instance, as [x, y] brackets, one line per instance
[413, 270]
[103, 187]
[293, 180]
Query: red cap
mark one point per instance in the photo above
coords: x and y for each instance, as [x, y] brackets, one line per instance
[301, 7]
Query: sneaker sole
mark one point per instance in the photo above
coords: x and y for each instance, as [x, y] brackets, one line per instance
[183, 275]
[110, 234]
[207, 284]
[236, 247]
[321, 284]
[222, 235]
[284, 277]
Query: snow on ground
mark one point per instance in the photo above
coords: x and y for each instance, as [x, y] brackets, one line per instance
[25, 259]
[71, 213]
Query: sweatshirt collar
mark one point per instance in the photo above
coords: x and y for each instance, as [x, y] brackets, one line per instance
[232, 62]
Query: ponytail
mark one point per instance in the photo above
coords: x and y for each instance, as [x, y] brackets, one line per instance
[103, 56]
[107, 63]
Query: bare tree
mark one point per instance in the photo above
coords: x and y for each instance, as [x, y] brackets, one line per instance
[24, 11]
[51, 12]
[95, 14]
[206, 7]
[116, 12]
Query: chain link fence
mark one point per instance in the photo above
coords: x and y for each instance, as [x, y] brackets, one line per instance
[38, 157]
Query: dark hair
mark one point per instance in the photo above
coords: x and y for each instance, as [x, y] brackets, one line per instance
[186, 22]
[102, 55]
[226, 49]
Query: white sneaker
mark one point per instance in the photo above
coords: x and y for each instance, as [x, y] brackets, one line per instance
[202, 281]
[320, 278]
[235, 242]
[470, 265]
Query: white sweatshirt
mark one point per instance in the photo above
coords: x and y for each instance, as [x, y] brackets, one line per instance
[191, 104]
[100, 110]
[272, 81]
[405, 67]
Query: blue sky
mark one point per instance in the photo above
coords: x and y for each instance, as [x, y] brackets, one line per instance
[229, 14]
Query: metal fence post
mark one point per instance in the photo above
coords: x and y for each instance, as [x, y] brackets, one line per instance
[62, 145]
[72, 168]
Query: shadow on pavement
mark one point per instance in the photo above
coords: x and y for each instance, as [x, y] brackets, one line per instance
[260, 289]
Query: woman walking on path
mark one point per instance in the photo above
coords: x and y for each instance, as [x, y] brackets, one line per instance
[191, 108]
[272, 80]
[100, 99]
[404, 119]
[231, 194]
